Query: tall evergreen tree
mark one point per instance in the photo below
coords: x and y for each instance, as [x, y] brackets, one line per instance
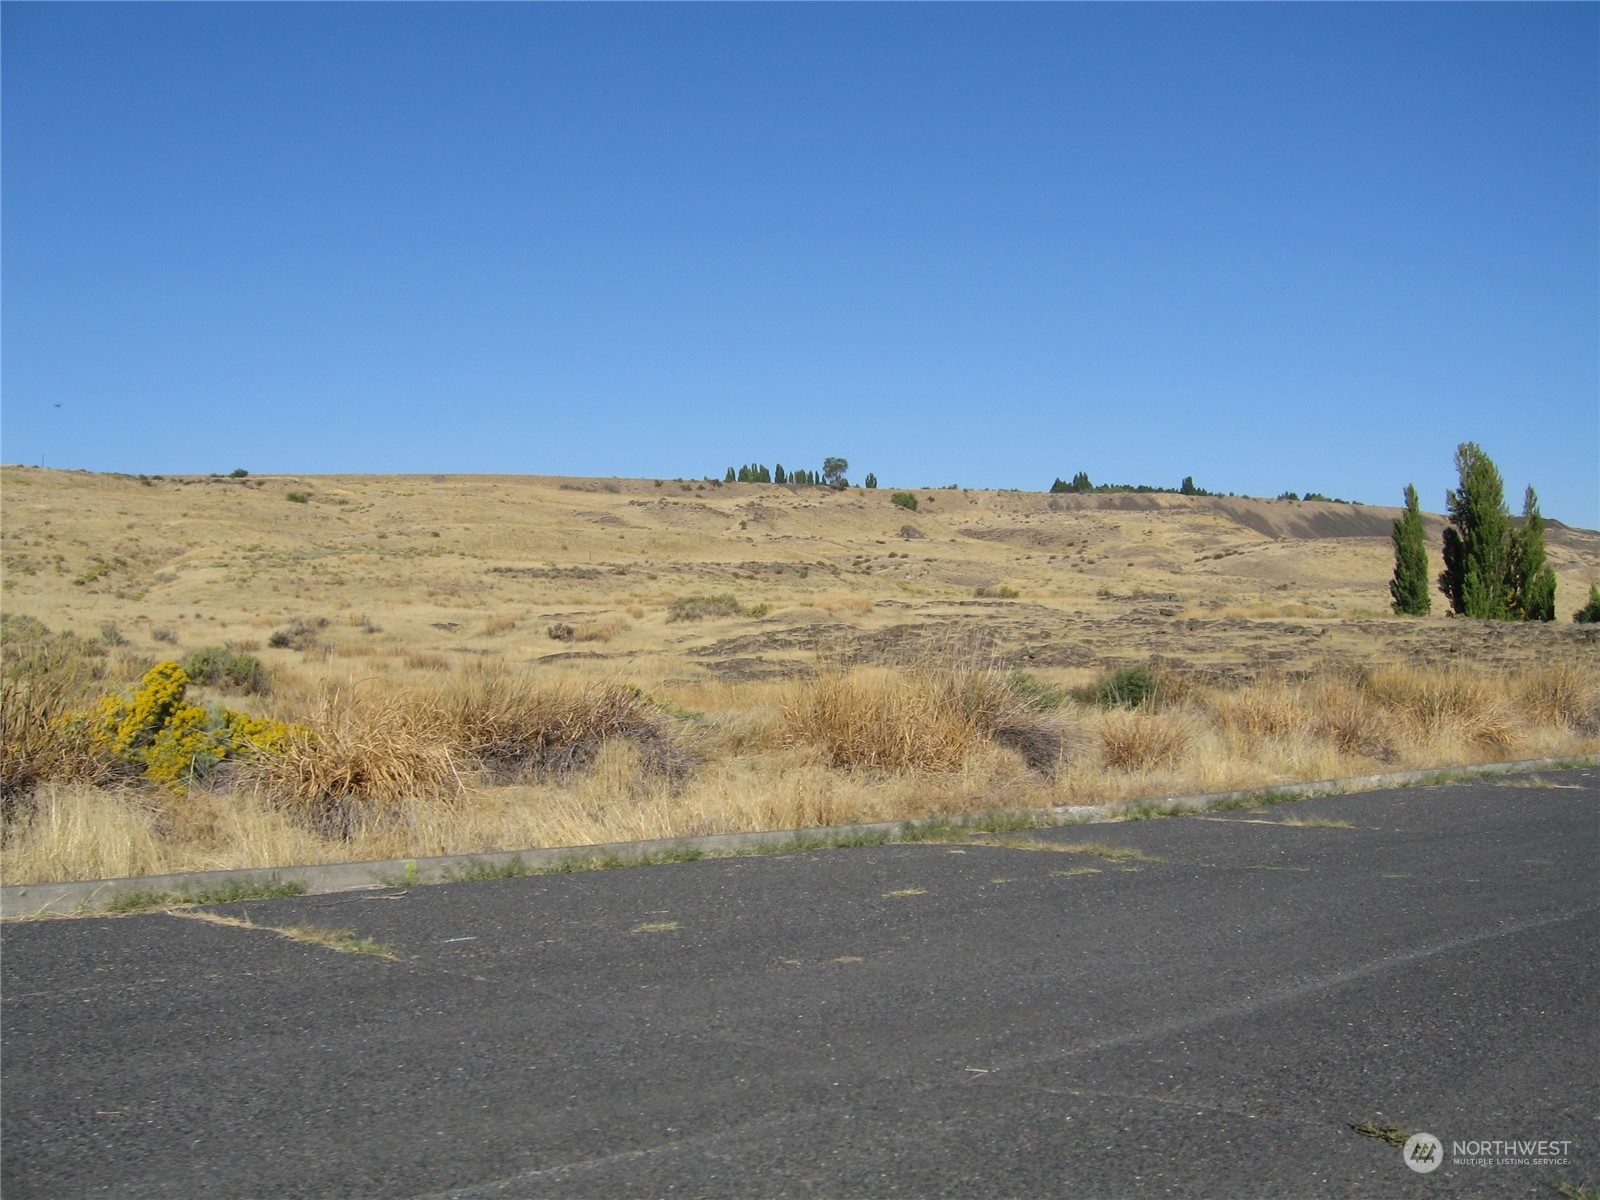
[1532, 589]
[1080, 482]
[871, 480]
[1409, 587]
[1060, 485]
[1477, 546]
[778, 476]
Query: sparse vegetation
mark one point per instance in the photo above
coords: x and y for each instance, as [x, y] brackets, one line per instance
[1081, 485]
[298, 635]
[228, 893]
[905, 500]
[698, 608]
[417, 731]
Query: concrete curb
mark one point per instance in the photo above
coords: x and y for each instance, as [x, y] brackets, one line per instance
[23, 901]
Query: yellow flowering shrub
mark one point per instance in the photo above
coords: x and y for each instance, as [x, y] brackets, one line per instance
[172, 740]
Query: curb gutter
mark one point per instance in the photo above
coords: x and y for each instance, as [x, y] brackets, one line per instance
[22, 901]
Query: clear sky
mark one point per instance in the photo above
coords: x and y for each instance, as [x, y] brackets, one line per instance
[1307, 247]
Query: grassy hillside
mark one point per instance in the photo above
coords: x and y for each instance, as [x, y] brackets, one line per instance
[405, 568]
[466, 662]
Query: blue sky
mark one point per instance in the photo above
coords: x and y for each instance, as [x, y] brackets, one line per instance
[1306, 247]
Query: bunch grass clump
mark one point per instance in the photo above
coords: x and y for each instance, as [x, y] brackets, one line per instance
[46, 678]
[1142, 740]
[358, 748]
[366, 751]
[507, 724]
[924, 717]
[1561, 694]
[1446, 706]
[698, 608]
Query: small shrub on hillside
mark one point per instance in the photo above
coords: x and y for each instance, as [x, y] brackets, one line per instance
[1128, 687]
[560, 632]
[28, 646]
[1035, 694]
[299, 635]
[298, 498]
[512, 728]
[996, 592]
[697, 608]
[218, 666]
[1590, 612]
[905, 500]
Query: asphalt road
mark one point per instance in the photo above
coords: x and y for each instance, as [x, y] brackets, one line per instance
[1208, 1019]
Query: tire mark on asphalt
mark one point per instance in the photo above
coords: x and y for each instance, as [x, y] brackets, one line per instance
[1298, 991]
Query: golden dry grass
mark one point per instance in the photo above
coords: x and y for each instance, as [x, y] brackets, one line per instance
[928, 718]
[854, 677]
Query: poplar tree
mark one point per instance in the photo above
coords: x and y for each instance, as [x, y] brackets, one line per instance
[1409, 587]
[1532, 587]
[1477, 545]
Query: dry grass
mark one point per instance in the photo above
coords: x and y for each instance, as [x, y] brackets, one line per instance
[1451, 707]
[74, 832]
[926, 717]
[484, 760]
[412, 746]
[1139, 741]
[345, 941]
[599, 631]
[37, 741]
[1560, 694]
[361, 744]
[854, 606]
